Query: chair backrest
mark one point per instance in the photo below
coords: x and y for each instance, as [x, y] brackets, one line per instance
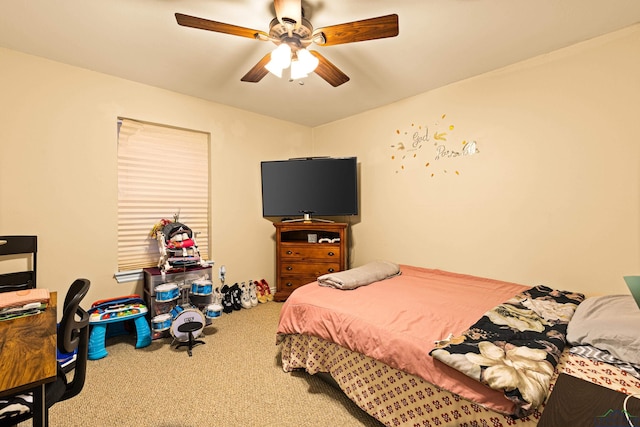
[19, 245]
[73, 333]
[13, 245]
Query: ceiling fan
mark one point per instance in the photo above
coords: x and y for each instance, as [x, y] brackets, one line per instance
[292, 33]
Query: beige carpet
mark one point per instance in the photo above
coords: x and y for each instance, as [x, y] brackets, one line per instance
[235, 379]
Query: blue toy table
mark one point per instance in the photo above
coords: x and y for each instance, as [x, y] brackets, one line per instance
[113, 314]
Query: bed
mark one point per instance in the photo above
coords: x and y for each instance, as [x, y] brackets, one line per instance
[380, 342]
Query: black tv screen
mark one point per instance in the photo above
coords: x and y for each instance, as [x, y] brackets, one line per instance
[320, 186]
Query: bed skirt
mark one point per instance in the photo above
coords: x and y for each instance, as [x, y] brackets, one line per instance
[396, 398]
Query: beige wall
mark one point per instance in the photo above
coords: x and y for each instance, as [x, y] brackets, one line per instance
[552, 197]
[58, 169]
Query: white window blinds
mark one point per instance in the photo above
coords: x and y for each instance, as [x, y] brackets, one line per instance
[162, 171]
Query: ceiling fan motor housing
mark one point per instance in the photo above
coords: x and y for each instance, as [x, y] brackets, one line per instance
[300, 36]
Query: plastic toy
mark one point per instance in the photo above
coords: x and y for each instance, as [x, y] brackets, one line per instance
[114, 313]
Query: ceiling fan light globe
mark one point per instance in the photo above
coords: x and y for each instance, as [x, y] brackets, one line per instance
[297, 70]
[281, 55]
[274, 68]
[307, 61]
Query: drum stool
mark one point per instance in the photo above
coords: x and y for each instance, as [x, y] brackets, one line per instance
[189, 328]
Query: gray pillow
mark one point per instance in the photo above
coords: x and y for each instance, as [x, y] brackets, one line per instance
[609, 322]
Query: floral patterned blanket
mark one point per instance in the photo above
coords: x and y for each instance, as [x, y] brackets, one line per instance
[515, 346]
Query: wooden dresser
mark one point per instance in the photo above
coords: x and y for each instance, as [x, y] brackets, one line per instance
[303, 254]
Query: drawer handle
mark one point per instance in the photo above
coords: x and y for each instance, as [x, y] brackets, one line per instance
[331, 254]
[289, 284]
[289, 268]
[289, 252]
[331, 270]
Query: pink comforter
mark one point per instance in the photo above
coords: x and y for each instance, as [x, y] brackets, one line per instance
[397, 321]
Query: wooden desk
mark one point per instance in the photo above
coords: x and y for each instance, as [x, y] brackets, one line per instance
[28, 357]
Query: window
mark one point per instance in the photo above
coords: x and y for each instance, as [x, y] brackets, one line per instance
[162, 172]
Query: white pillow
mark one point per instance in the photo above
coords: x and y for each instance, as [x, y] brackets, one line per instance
[611, 323]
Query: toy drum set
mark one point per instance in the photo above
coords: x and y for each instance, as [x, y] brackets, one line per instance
[182, 303]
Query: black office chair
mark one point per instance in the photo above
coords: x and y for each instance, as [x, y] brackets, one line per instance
[73, 334]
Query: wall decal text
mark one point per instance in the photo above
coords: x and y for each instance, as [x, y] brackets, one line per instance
[418, 142]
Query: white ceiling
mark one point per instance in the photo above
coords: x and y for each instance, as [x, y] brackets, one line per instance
[440, 42]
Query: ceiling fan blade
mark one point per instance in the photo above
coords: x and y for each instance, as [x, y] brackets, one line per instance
[258, 71]
[219, 27]
[328, 71]
[288, 11]
[357, 31]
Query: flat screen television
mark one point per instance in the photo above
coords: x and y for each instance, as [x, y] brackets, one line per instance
[310, 186]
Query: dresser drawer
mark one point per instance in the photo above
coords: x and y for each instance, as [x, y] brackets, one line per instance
[290, 283]
[325, 252]
[310, 269]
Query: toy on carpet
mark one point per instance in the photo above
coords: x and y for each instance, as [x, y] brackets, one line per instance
[116, 314]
